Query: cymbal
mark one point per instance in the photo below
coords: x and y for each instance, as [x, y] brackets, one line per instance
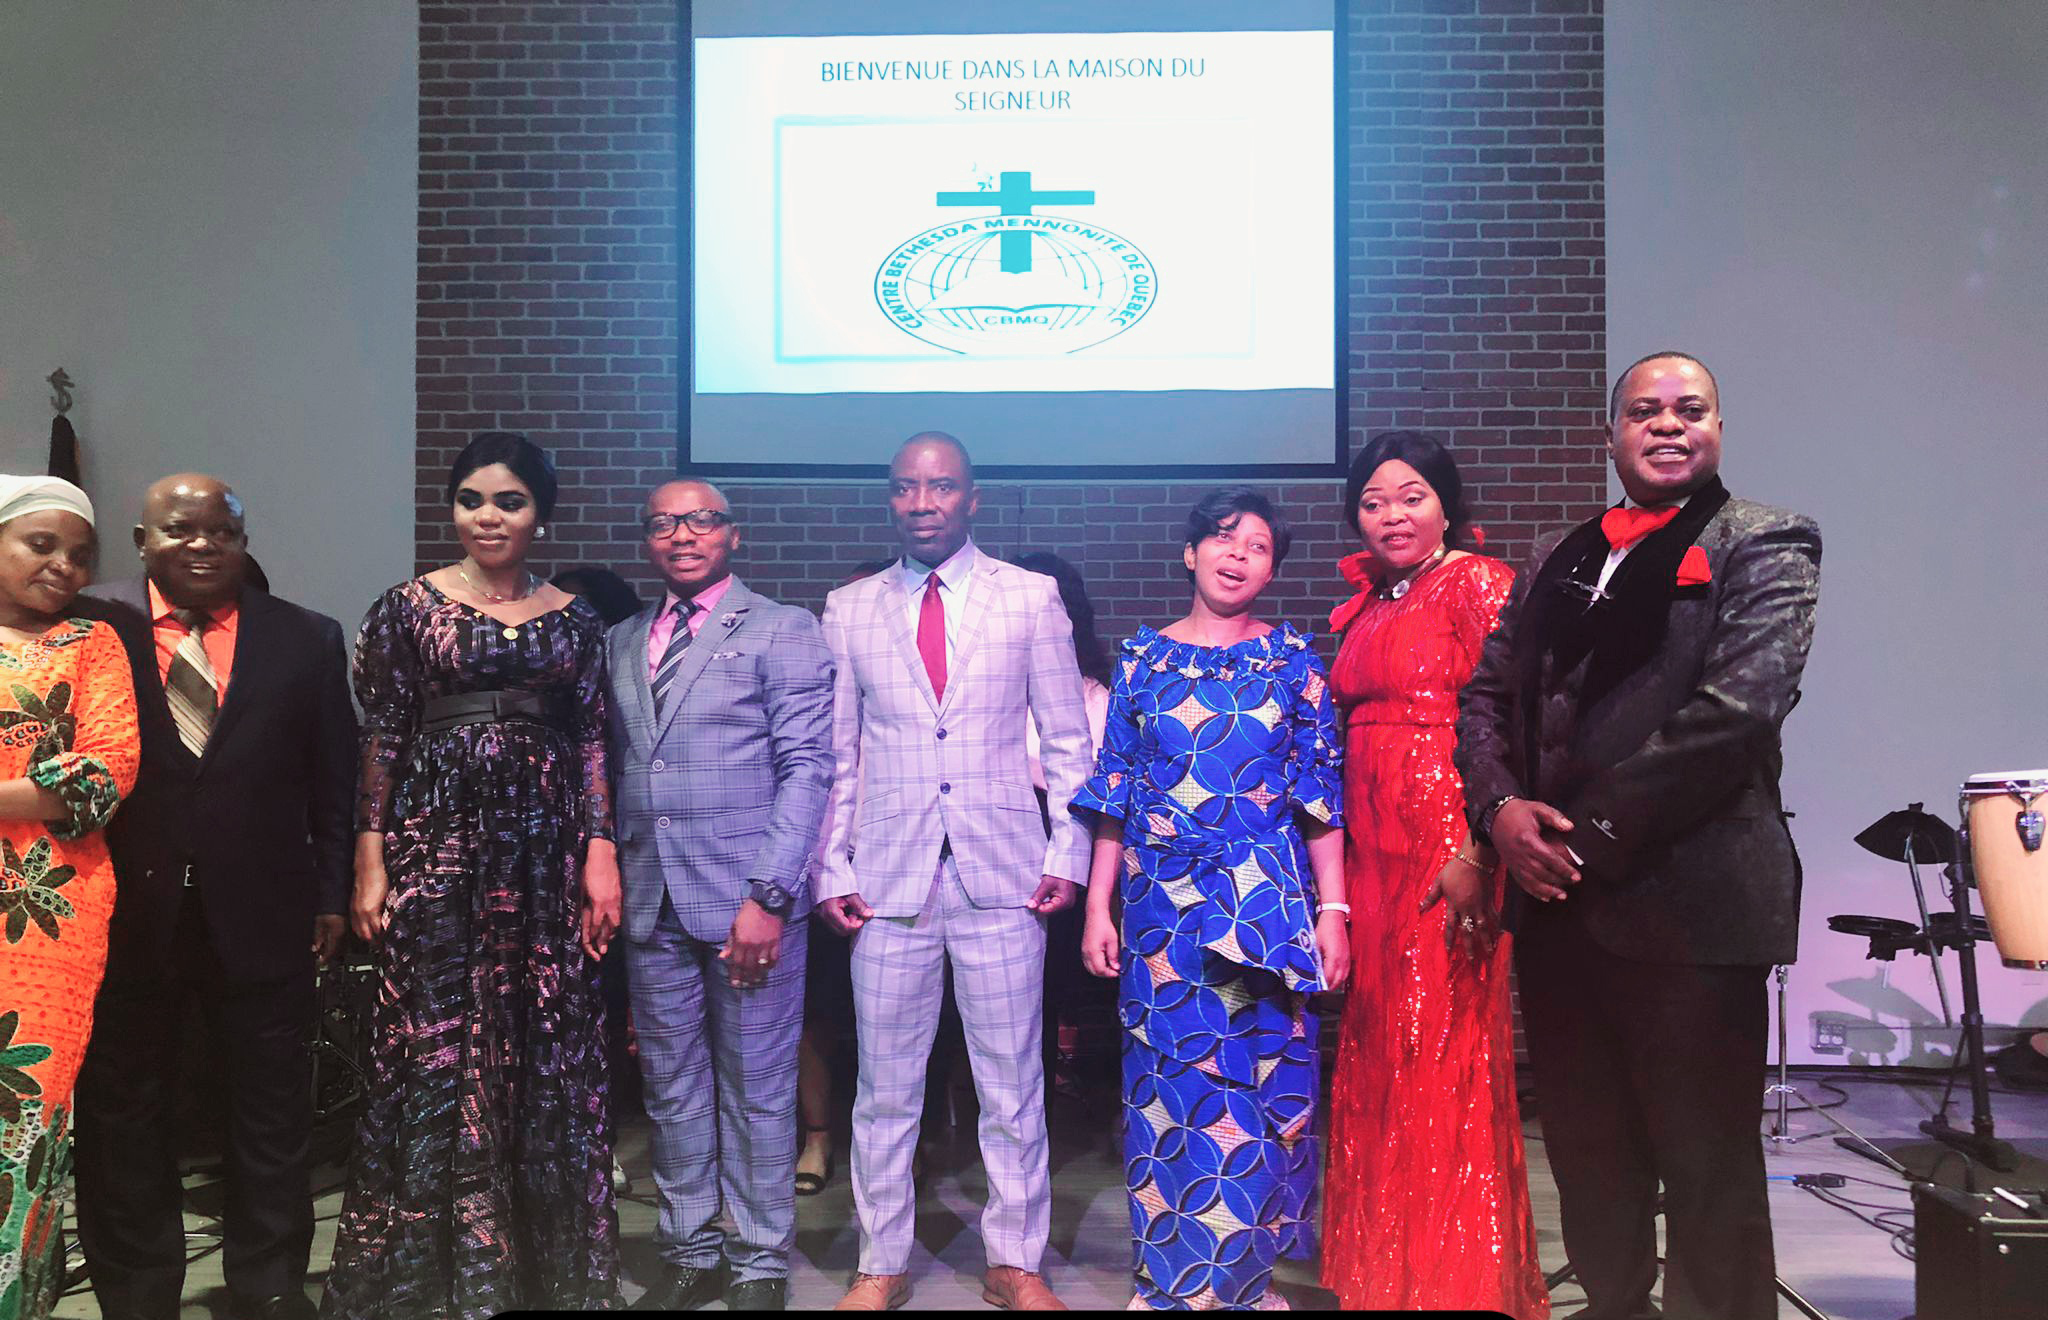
[1934, 839]
[1888, 935]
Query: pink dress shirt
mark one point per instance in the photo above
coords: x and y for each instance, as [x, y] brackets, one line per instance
[665, 622]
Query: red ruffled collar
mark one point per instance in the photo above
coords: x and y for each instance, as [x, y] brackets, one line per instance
[1362, 570]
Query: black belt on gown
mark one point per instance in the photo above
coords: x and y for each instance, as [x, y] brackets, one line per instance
[486, 708]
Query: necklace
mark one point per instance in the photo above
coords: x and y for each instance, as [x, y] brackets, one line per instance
[1399, 589]
[531, 584]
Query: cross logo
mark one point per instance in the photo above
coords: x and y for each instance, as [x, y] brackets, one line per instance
[1015, 197]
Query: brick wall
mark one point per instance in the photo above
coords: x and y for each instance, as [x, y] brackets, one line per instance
[548, 299]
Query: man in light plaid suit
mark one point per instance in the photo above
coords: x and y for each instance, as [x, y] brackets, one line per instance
[942, 658]
[721, 717]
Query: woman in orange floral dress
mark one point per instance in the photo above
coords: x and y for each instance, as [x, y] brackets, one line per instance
[68, 750]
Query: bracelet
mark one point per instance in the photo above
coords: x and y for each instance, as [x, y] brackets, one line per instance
[1345, 908]
[1483, 827]
[1472, 862]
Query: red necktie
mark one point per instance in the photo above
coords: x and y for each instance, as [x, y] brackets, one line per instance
[931, 636]
[1623, 527]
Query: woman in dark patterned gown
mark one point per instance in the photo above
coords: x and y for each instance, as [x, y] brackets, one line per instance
[486, 876]
[1428, 1197]
[1214, 803]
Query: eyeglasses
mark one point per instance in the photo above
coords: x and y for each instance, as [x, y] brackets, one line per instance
[1585, 594]
[701, 521]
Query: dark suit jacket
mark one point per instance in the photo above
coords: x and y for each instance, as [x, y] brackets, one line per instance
[263, 819]
[1668, 771]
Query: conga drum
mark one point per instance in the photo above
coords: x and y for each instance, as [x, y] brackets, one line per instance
[2003, 816]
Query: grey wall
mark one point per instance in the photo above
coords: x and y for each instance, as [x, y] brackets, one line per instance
[1843, 207]
[207, 218]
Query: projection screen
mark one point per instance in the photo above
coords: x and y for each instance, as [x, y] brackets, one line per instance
[1089, 240]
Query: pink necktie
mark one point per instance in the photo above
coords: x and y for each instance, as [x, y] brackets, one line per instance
[931, 636]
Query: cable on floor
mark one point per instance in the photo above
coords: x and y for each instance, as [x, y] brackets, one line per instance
[1885, 1217]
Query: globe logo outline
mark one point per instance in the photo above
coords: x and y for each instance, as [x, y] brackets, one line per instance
[1017, 284]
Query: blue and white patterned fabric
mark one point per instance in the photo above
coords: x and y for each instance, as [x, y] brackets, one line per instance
[1209, 755]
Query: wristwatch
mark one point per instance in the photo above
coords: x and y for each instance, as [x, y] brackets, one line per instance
[1482, 829]
[773, 899]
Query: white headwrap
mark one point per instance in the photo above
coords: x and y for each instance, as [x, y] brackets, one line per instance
[19, 495]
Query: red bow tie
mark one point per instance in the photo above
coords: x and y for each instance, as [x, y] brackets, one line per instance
[1624, 527]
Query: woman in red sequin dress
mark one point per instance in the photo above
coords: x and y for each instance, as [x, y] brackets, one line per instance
[1427, 1196]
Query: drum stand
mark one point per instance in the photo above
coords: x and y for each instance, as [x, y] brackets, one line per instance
[334, 1047]
[1981, 1143]
[1781, 1126]
[1933, 953]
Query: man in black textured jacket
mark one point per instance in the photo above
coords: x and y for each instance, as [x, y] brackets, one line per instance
[1619, 745]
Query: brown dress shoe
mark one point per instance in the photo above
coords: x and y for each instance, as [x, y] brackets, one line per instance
[1018, 1290]
[876, 1292]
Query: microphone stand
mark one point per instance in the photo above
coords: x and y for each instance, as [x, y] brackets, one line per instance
[1781, 1128]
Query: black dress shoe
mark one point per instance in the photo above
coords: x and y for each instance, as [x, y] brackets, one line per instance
[758, 1295]
[284, 1306]
[685, 1288]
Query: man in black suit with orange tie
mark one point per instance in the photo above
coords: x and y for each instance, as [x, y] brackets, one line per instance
[231, 860]
[1619, 744]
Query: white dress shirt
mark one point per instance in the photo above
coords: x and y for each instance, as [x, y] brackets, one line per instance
[953, 575]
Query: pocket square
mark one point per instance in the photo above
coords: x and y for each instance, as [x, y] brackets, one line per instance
[1693, 570]
[725, 655]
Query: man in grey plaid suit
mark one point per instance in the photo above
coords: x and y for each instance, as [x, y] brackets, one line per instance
[942, 657]
[721, 717]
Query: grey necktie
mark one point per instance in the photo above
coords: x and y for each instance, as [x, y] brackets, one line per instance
[672, 658]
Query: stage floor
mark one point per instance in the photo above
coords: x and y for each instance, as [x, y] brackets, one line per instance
[1847, 1268]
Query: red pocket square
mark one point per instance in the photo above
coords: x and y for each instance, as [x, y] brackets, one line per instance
[1693, 570]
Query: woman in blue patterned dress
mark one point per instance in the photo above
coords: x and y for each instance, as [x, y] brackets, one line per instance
[1216, 799]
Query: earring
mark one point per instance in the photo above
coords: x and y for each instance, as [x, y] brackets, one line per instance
[540, 531]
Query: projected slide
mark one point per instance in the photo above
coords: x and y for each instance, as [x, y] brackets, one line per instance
[1019, 219]
[1133, 211]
